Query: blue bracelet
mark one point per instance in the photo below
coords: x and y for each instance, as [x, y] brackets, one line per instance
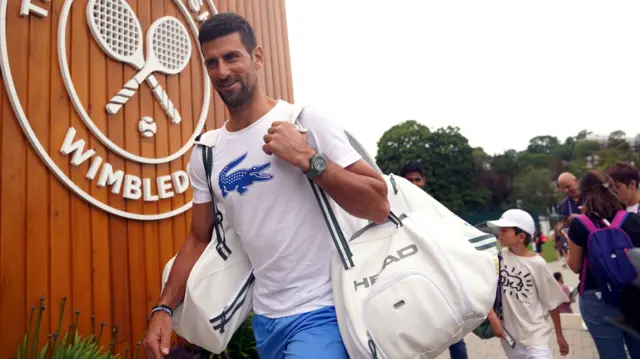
[162, 307]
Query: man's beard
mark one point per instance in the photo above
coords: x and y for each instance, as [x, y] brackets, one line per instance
[238, 99]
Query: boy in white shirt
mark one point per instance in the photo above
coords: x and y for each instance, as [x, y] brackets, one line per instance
[530, 293]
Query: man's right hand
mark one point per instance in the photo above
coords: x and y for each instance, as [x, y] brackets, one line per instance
[157, 341]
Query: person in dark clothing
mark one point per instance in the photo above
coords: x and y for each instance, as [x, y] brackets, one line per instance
[570, 206]
[601, 202]
[414, 173]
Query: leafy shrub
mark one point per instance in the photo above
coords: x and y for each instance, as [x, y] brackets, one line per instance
[242, 345]
[71, 345]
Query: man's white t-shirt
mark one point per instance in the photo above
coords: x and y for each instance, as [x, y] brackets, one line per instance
[271, 205]
[529, 293]
[633, 209]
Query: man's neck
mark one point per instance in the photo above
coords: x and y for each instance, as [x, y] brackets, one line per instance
[244, 116]
[575, 198]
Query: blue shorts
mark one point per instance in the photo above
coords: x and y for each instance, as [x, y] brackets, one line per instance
[307, 335]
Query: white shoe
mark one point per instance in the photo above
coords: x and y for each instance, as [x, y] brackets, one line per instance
[584, 327]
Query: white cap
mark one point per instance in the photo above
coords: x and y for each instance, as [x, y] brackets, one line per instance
[516, 218]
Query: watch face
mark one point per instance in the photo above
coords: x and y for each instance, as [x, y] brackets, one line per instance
[318, 163]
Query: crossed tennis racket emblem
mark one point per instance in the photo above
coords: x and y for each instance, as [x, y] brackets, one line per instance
[117, 30]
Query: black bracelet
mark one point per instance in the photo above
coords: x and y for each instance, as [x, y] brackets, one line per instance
[163, 308]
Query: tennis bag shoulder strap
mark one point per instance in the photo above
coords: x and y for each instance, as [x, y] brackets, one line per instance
[207, 141]
[339, 240]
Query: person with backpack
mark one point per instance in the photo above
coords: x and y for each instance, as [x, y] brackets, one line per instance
[530, 294]
[598, 241]
[261, 169]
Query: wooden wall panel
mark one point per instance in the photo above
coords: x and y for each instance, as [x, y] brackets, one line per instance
[53, 242]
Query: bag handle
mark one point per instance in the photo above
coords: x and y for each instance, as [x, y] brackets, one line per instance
[498, 304]
[331, 221]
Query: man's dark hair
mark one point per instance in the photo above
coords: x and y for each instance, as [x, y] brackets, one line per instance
[624, 173]
[527, 236]
[227, 23]
[412, 166]
[557, 275]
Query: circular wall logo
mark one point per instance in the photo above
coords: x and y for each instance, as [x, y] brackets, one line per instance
[143, 98]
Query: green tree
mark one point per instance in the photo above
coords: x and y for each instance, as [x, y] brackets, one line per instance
[535, 189]
[506, 163]
[543, 144]
[586, 148]
[446, 156]
[536, 160]
[404, 142]
[565, 151]
[617, 140]
[481, 159]
[582, 135]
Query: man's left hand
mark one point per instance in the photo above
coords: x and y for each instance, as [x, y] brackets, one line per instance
[285, 141]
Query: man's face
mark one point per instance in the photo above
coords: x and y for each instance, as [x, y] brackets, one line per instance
[233, 71]
[416, 178]
[569, 186]
[626, 193]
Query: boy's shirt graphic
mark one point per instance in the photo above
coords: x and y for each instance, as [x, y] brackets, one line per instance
[529, 292]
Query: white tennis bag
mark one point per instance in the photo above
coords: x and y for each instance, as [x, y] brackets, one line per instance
[218, 296]
[405, 289]
[413, 286]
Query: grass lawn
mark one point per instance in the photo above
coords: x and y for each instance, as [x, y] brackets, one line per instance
[548, 251]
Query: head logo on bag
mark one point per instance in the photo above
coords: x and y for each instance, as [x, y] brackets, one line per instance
[401, 254]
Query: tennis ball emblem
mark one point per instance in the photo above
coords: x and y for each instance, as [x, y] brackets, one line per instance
[147, 127]
[155, 56]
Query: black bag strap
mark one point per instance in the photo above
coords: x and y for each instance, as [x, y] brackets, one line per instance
[498, 304]
[223, 250]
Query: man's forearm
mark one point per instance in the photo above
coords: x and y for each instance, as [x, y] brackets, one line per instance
[361, 196]
[173, 293]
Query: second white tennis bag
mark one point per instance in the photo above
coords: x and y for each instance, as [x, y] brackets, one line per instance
[218, 297]
[413, 286]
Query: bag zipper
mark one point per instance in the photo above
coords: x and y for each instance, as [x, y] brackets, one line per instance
[388, 283]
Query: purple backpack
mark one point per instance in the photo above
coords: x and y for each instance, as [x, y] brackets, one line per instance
[607, 257]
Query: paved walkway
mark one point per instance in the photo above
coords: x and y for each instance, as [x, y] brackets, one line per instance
[580, 343]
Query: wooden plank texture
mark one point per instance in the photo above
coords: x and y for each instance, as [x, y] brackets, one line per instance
[53, 242]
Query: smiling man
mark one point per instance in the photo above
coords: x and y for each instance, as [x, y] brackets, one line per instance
[261, 170]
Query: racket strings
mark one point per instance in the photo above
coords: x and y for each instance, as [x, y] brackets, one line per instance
[117, 26]
[171, 44]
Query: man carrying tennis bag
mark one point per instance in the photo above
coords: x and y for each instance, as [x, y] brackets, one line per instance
[293, 221]
[260, 171]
